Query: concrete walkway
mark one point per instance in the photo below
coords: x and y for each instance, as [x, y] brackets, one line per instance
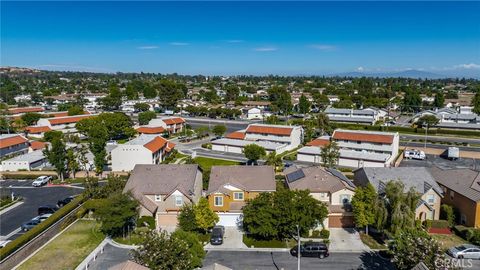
[347, 240]
[233, 239]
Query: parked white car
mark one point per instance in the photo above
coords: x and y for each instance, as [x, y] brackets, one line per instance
[414, 154]
[3, 243]
[465, 252]
[42, 180]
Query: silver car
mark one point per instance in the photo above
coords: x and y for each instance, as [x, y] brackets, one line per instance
[42, 180]
[465, 252]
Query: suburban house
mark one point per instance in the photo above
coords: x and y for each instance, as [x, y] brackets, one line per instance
[311, 152]
[329, 186]
[15, 113]
[462, 191]
[418, 178]
[66, 124]
[352, 116]
[25, 162]
[450, 118]
[230, 186]
[163, 189]
[172, 124]
[36, 131]
[254, 113]
[366, 148]
[144, 149]
[13, 144]
[271, 137]
[150, 130]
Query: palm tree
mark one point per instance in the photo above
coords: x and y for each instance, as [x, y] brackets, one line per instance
[274, 160]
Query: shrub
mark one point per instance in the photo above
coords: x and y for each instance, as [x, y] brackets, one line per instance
[250, 242]
[439, 224]
[447, 213]
[148, 220]
[315, 234]
[325, 234]
[207, 145]
[461, 231]
[24, 238]
[473, 236]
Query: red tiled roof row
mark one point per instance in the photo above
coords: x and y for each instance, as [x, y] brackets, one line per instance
[319, 142]
[237, 135]
[37, 129]
[280, 131]
[11, 141]
[156, 144]
[36, 145]
[68, 120]
[175, 120]
[25, 110]
[363, 137]
[151, 130]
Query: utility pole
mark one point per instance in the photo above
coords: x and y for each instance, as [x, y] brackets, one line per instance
[426, 131]
[299, 254]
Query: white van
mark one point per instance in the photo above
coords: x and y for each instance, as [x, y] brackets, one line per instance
[414, 154]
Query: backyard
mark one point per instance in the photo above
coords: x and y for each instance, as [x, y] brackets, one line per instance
[69, 249]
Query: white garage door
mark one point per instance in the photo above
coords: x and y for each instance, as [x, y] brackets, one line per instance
[230, 219]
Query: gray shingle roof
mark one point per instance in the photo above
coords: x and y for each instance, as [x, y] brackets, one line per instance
[161, 179]
[463, 181]
[419, 178]
[248, 178]
[318, 179]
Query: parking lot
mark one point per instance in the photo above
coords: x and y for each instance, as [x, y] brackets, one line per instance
[11, 220]
[442, 163]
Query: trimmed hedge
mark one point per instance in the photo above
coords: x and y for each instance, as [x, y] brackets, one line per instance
[438, 224]
[325, 234]
[24, 238]
[249, 242]
[23, 176]
[431, 131]
[461, 231]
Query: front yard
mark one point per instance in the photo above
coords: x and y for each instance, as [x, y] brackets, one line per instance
[68, 249]
[250, 242]
[448, 240]
[371, 242]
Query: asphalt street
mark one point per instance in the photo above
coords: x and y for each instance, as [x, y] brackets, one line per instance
[283, 260]
[11, 220]
[432, 160]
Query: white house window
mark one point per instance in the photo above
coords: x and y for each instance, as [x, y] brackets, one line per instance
[178, 200]
[218, 201]
[158, 198]
[238, 196]
[431, 199]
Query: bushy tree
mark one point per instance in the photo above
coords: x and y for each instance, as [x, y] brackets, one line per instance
[56, 155]
[427, 121]
[447, 213]
[142, 107]
[274, 160]
[330, 154]
[159, 251]
[304, 105]
[145, 117]
[253, 152]
[205, 218]
[276, 215]
[219, 130]
[31, 118]
[195, 248]
[118, 214]
[72, 163]
[186, 218]
[363, 204]
[75, 110]
[411, 247]
[49, 136]
[476, 102]
[439, 100]
[323, 123]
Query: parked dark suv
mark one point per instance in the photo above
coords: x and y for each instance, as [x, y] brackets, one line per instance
[47, 209]
[62, 203]
[311, 249]
[217, 235]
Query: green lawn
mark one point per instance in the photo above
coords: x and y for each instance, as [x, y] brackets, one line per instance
[250, 242]
[207, 163]
[371, 242]
[448, 240]
[69, 249]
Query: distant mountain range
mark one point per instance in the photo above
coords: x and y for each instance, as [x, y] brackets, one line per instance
[411, 73]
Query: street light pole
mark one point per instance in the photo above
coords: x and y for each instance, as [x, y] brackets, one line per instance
[299, 254]
[426, 131]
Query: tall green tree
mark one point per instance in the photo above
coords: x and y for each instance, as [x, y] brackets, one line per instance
[274, 160]
[72, 163]
[427, 121]
[439, 100]
[141, 107]
[476, 102]
[205, 218]
[145, 117]
[219, 130]
[31, 118]
[411, 101]
[195, 248]
[75, 110]
[304, 105]
[330, 154]
[363, 204]
[253, 152]
[117, 214]
[186, 218]
[323, 123]
[56, 155]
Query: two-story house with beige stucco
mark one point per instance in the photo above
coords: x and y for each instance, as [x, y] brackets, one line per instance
[163, 189]
[329, 186]
[418, 178]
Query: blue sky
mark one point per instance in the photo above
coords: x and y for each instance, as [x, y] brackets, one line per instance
[227, 38]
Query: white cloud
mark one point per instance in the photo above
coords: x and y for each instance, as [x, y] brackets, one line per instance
[323, 47]
[360, 69]
[147, 47]
[265, 49]
[179, 43]
[234, 40]
[467, 66]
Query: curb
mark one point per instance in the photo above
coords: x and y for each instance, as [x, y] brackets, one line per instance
[3, 211]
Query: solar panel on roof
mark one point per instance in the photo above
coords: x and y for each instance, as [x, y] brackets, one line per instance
[341, 176]
[294, 176]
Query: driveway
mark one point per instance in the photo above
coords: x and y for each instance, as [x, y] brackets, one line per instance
[233, 239]
[346, 239]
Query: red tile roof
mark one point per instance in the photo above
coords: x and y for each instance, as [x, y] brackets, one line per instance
[25, 110]
[170, 146]
[62, 114]
[319, 142]
[363, 137]
[156, 144]
[11, 141]
[35, 145]
[37, 129]
[176, 120]
[280, 131]
[67, 120]
[238, 135]
[151, 130]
